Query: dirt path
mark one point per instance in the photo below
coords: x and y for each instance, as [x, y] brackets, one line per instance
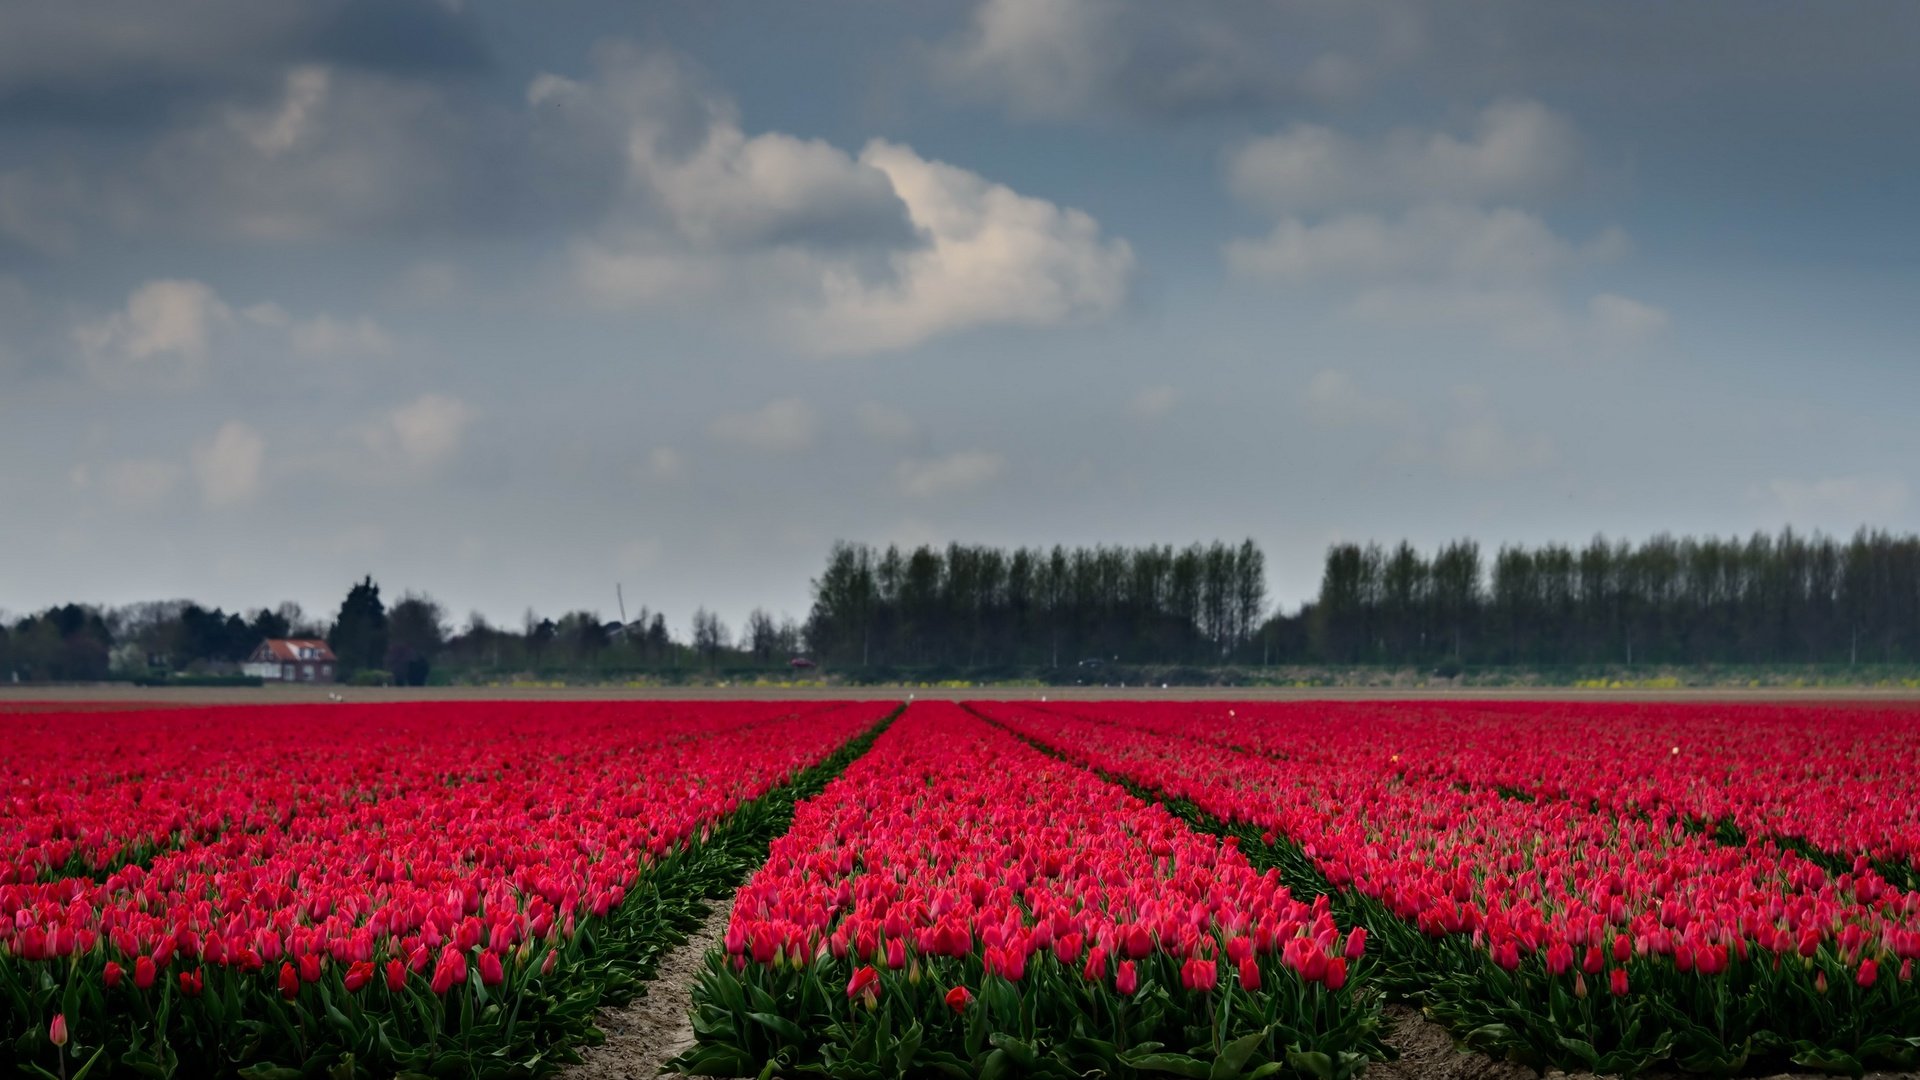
[646, 1032]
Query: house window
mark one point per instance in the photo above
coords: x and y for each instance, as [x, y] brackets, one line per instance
[326, 671]
[286, 672]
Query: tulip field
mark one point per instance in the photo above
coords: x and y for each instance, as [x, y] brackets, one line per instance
[435, 889]
[994, 889]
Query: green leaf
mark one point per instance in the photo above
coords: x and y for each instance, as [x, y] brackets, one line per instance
[1582, 1049]
[1022, 1053]
[909, 1046]
[1311, 1062]
[779, 1025]
[1177, 1064]
[1235, 1056]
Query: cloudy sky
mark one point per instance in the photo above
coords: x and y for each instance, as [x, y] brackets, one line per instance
[512, 301]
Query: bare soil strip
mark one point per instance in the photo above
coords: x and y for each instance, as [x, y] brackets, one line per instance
[42, 697]
[645, 1033]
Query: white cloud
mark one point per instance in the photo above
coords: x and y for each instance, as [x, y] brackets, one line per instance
[325, 337]
[1518, 150]
[159, 340]
[1072, 59]
[1625, 320]
[1465, 435]
[884, 422]
[1845, 501]
[278, 129]
[781, 426]
[228, 466]
[1477, 443]
[636, 557]
[992, 256]
[663, 463]
[417, 439]
[138, 482]
[1333, 399]
[170, 331]
[1442, 241]
[1154, 402]
[1409, 229]
[952, 474]
[843, 254]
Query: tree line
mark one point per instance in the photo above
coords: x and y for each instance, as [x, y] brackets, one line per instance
[1789, 598]
[410, 641]
[1766, 599]
[976, 607]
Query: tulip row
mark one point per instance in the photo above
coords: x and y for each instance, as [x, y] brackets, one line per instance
[961, 903]
[1836, 779]
[1496, 909]
[373, 890]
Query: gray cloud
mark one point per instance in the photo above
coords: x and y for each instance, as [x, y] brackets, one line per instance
[1074, 59]
[135, 63]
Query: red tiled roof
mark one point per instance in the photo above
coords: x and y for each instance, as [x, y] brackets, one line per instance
[289, 648]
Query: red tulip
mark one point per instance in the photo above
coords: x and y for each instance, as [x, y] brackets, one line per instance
[310, 968]
[192, 983]
[450, 971]
[1199, 974]
[1249, 974]
[959, 998]
[57, 1031]
[1096, 966]
[359, 974]
[1559, 958]
[491, 973]
[396, 975]
[112, 974]
[1125, 980]
[143, 972]
[1869, 971]
[1356, 944]
[289, 982]
[1336, 973]
[865, 983]
[1619, 981]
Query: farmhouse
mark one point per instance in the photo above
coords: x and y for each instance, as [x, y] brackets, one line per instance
[291, 660]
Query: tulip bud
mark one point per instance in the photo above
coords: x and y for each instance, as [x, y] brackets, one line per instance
[1820, 981]
[57, 1031]
[553, 957]
[1580, 985]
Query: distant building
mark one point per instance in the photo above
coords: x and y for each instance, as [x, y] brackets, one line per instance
[291, 660]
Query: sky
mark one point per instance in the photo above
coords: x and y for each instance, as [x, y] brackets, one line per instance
[512, 303]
